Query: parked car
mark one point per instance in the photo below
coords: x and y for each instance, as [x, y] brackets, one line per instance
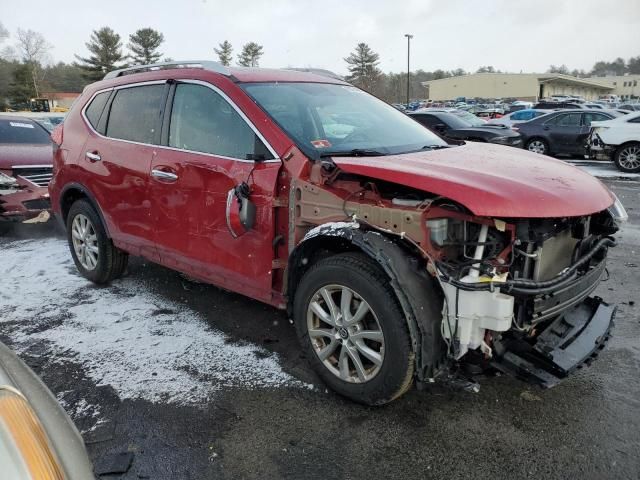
[49, 120]
[38, 439]
[519, 116]
[618, 140]
[26, 160]
[454, 128]
[363, 233]
[631, 107]
[546, 105]
[465, 115]
[563, 132]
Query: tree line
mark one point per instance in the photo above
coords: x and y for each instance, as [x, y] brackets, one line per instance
[26, 69]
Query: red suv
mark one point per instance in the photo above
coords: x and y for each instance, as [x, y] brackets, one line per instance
[398, 257]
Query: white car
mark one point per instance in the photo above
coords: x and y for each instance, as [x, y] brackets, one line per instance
[518, 116]
[618, 139]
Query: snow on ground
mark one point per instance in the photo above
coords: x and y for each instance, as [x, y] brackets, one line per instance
[602, 169]
[143, 345]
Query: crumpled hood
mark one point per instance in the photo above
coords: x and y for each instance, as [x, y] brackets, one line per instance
[491, 180]
[24, 155]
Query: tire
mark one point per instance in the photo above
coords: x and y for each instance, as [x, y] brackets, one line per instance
[627, 157]
[538, 145]
[102, 261]
[382, 330]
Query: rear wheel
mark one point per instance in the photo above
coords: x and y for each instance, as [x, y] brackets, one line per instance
[93, 252]
[353, 330]
[627, 158]
[538, 145]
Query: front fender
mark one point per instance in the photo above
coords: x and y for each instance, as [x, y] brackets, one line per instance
[419, 295]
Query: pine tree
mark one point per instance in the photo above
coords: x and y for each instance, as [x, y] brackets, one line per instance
[250, 55]
[106, 50]
[363, 67]
[224, 53]
[144, 46]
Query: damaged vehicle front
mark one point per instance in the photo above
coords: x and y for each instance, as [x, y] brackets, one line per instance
[491, 252]
[26, 162]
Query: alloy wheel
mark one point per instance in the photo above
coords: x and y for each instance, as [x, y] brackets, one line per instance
[85, 241]
[345, 333]
[537, 146]
[629, 157]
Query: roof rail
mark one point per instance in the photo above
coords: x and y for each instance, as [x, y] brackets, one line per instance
[318, 71]
[204, 64]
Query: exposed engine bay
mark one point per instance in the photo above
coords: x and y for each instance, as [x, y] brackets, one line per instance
[515, 290]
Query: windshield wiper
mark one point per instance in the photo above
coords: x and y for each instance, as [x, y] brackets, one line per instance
[356, 152]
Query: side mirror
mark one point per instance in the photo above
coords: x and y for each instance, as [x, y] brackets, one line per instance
[241, 211]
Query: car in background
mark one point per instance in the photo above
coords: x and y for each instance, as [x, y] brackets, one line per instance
[597, 106]
[561, 132]
[49, 120]
[38, 440]
[617, 140]
[453, 128]
[631, 107]
[519, 116]
[549, 105]
[399, 106]
[26, 167]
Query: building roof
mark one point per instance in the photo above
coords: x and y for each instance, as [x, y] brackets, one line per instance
[542, 77]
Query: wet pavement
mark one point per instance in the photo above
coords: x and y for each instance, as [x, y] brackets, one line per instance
[200, 383]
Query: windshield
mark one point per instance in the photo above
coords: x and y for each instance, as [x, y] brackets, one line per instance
[325, 119]
[469, 118]
[22, 131]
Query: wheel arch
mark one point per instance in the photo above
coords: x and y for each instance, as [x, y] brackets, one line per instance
[73, 192]
[418, 294]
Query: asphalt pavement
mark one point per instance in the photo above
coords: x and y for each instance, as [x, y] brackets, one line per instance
[194, 382]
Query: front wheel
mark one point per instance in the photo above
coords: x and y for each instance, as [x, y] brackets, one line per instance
[93, 252]
[627, 158]
[353, 330]
[537, 145]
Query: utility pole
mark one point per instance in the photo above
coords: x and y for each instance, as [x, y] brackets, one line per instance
[409, 37]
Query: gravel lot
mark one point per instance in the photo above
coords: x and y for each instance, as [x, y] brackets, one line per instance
[201, 383]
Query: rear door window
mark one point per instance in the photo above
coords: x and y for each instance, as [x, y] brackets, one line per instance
[568, 120]
[203, 121]
[594, 117]
[95, 107]
[135, 114]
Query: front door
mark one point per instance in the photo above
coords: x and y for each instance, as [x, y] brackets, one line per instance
[210, 148]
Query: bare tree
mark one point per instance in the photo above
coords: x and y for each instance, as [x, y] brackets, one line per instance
[33, 48]
[7, 52]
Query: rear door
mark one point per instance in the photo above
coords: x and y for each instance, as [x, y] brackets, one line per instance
[210, 147]
[117, 157]
[563, 131]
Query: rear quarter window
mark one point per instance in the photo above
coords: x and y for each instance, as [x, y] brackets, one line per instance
[135, 114]
[95, 108]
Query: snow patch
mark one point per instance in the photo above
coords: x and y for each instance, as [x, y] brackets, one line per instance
[141, 344]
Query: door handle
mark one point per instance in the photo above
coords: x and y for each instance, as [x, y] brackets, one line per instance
[546, 128]
[93, 156]
[162, 175]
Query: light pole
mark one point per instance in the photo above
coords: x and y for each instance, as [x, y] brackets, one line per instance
[409, 37]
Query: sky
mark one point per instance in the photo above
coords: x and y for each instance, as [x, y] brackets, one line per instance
[511, 35]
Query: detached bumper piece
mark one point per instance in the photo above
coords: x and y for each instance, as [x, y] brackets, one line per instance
[569, 342]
